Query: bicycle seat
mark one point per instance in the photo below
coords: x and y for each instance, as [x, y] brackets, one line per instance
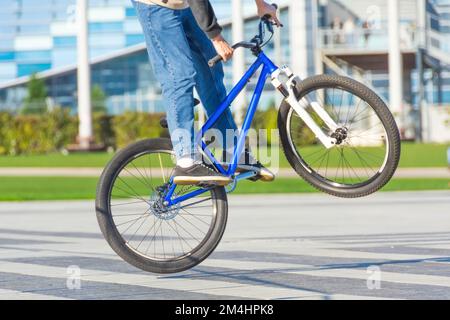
[163, 121]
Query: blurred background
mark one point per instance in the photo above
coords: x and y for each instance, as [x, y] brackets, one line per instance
[75, 76]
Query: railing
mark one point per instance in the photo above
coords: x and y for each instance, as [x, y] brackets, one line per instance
[366, 39]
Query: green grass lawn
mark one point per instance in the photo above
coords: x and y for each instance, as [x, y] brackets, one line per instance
[413, 155]
[64, 188]
[82, 160]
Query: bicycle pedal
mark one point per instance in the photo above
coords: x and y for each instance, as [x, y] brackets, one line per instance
[254, 178]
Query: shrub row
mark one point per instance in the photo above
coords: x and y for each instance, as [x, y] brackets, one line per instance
[52, 131]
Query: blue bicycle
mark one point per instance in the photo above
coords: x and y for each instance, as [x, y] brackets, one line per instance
[336, 133]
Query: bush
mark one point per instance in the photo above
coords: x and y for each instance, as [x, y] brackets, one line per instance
[132, 126]
[6, 131]
[61, 127]
[52, 131]
[103, 129]
[26, 134]
[267, 120]
[302, 135]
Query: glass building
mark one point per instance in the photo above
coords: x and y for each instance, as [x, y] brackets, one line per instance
[40, 36]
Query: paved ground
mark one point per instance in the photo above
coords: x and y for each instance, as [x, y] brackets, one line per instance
[427, 173]
[390, 245]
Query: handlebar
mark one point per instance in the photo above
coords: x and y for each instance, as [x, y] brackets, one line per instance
[213, 61]
[242, 44]
[257, 41]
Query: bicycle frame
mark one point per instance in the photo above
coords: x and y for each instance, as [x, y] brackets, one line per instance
[268, 68]
[287, 89]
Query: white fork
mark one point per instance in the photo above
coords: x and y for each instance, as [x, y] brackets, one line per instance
[300, 106]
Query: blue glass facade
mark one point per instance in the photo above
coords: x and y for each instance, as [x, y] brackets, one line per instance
[126, 79]
[38, 36]
[43, 32]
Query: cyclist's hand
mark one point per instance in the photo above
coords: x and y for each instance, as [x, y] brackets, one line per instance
[267, 9]
[222, 47]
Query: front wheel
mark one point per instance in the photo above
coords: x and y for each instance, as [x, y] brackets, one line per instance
[367, 149]
[143, 231]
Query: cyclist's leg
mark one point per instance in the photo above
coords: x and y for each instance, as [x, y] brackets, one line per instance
[173, 66]
[209, 81]
[212, 92]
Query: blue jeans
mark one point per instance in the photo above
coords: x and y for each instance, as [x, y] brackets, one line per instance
[179, 52]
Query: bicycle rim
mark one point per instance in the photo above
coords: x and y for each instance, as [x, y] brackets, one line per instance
[362, 154]
[145, 226]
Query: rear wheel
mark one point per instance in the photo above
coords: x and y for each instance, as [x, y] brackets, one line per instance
[137, 225]
[367, 149]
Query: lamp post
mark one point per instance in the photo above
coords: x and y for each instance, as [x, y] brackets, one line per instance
[422, 28]
[85, 132]
[238, 56]
[395, 61]
[298, 19]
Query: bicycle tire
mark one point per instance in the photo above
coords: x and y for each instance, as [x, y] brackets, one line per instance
[113, 237]
[295, 159]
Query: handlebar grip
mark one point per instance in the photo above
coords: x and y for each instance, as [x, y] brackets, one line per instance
[213, 61]
[267, 17]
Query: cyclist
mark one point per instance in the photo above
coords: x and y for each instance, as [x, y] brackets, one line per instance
[181, 36]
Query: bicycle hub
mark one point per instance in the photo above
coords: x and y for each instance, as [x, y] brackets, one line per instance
[340, 135]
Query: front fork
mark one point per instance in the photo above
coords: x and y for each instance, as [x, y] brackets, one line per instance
[288, 90]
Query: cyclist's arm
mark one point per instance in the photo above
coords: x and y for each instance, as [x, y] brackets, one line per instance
[206, 18]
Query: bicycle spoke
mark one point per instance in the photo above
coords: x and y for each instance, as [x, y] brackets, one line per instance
[348, 111]
[127, 203]
[145, 237]
[363, 146]
[191, 215]
[194, 203]
[134, 192]
[132, 195]
[340, 105]
[181, 242]
[162, 169]
[185, 230]
[201, 231]
[154, 231]
[154, 236]
[140, 226]
[145, 179]
[162, 241]
[179, 236]
[141, 216]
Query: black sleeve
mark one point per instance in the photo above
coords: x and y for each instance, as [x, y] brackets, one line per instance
[205, 16]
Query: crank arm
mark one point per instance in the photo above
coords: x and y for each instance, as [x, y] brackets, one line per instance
[242, 176]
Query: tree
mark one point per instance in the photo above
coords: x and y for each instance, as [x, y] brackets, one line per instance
[98, 98]
[35, 101]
